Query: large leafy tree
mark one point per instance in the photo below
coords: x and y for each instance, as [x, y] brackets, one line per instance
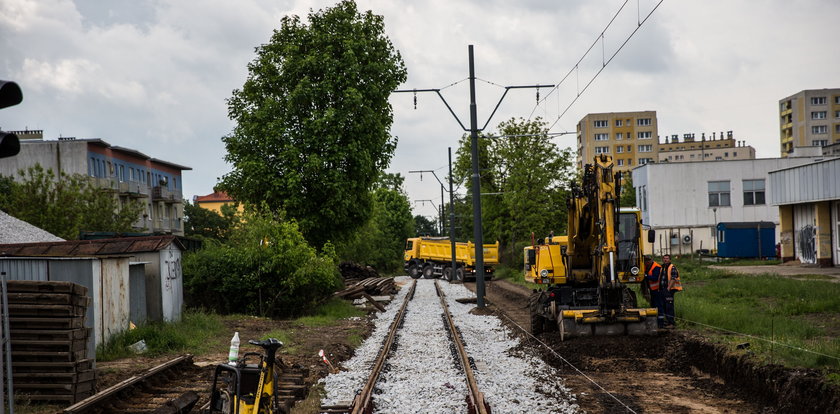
[203, 223]
[66, 205]
[628, 192]
[424, 227]
[380, 242]
[524, 181]
[313, 119]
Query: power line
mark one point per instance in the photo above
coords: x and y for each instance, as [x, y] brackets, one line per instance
[604, 62]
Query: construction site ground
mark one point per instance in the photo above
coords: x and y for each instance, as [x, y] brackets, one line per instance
[665, 373]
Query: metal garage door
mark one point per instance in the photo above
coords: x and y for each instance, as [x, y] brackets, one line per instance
[805, 233]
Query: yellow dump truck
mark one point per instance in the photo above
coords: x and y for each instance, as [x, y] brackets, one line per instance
[432, 257]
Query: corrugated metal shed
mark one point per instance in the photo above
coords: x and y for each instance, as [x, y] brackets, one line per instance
[806, 183]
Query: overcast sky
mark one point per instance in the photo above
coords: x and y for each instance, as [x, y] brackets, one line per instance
[154, 75]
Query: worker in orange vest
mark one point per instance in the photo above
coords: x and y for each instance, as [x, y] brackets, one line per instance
[669, 283]
[653, 272]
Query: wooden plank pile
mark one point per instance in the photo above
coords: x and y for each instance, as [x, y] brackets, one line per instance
[354, 272]
[49, 341]
[367, 288]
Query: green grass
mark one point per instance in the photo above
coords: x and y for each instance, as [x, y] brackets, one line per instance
[514, 275]
[797, 313]
[192, 333]
[331, 311]
[284, 336]
[748, 262]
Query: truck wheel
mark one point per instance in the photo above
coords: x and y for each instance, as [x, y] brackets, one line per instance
[414, 271]
[447, 273]
[459, 273]
[428, 272]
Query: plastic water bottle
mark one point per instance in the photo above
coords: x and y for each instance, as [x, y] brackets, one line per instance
[233, 355]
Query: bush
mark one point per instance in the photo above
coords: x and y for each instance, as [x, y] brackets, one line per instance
[191, 334]
[266, 267]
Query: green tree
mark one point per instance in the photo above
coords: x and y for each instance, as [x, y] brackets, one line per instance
[424, 227]
[266, 267]
[627, 198]
[67, 205]
[381, 241]
[524, 183]
[203, 223]
[313, 120]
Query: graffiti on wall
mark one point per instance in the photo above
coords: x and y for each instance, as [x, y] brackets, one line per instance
[173, 269]
[806, 244]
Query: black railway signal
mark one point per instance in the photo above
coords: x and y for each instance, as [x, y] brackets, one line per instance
[10, 95]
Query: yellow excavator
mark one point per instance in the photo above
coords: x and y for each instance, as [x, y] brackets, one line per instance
[586, 273]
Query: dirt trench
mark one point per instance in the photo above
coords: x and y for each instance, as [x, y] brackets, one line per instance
[675, 372]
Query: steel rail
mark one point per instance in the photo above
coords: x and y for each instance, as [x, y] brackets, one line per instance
[114, 392]
[363, 402]
[475, 399]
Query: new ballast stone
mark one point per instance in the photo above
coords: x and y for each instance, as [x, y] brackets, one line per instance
[422, 375]
[512, 381]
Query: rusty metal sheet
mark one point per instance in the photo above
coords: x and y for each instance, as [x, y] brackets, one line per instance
[115, 247]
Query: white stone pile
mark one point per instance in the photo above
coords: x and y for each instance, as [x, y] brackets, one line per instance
[422, 375]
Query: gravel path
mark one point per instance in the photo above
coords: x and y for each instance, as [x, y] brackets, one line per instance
[422, 374]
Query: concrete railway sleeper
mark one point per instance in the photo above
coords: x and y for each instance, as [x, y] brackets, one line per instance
[388, 371]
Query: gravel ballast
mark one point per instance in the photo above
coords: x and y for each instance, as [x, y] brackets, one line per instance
[422, 375]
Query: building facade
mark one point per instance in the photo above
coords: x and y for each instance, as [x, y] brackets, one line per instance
[127, 173]
[713, 148]
[809, 118]
[808, 197]
[214, 201]
[683, 202]
[631, 138]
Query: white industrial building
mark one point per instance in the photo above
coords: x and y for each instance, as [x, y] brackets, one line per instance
[683, 202]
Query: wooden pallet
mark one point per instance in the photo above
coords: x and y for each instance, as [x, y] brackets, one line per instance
[48, 356]
[48, 298]
[46, 323]
[54, 367]
[49, 311]
[23, 286]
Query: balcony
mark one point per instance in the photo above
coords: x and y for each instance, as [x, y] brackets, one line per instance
[110, 184]
[165, 194]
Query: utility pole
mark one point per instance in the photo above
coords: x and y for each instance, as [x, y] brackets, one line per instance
[454, 274]
[476, 187]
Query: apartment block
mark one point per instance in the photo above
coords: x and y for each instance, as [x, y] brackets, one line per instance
[711, 148]
[127, 173]
[809, 118]
[631, 138]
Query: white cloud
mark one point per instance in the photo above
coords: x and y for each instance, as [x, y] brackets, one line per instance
[154, 75]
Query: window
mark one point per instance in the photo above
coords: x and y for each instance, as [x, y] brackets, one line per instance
[645, 148]
[726, 154]
[819, 129]
[818, 100]
[837, 100]
[643, 161]
[837, 114]
[619, 136]
[630, 161]
[818, 115]
[618, 122]
[735, 154]
[643, 121]
[602, 150]
[643, 135]
[629, 148]
[619, 149]
[753, 192]
[602, 137]
[819, 142]
[837, 128]
[643, 191]
[620, 163]
[718, 193]
[601, 123]
[92, 167]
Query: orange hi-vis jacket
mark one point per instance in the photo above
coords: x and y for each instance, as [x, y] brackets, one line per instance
[672, 277]
[653, 284]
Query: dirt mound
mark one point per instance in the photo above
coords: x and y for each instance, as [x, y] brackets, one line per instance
[789, 390]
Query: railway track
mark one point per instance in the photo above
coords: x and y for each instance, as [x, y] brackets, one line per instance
[175, 387]
[365, 400]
